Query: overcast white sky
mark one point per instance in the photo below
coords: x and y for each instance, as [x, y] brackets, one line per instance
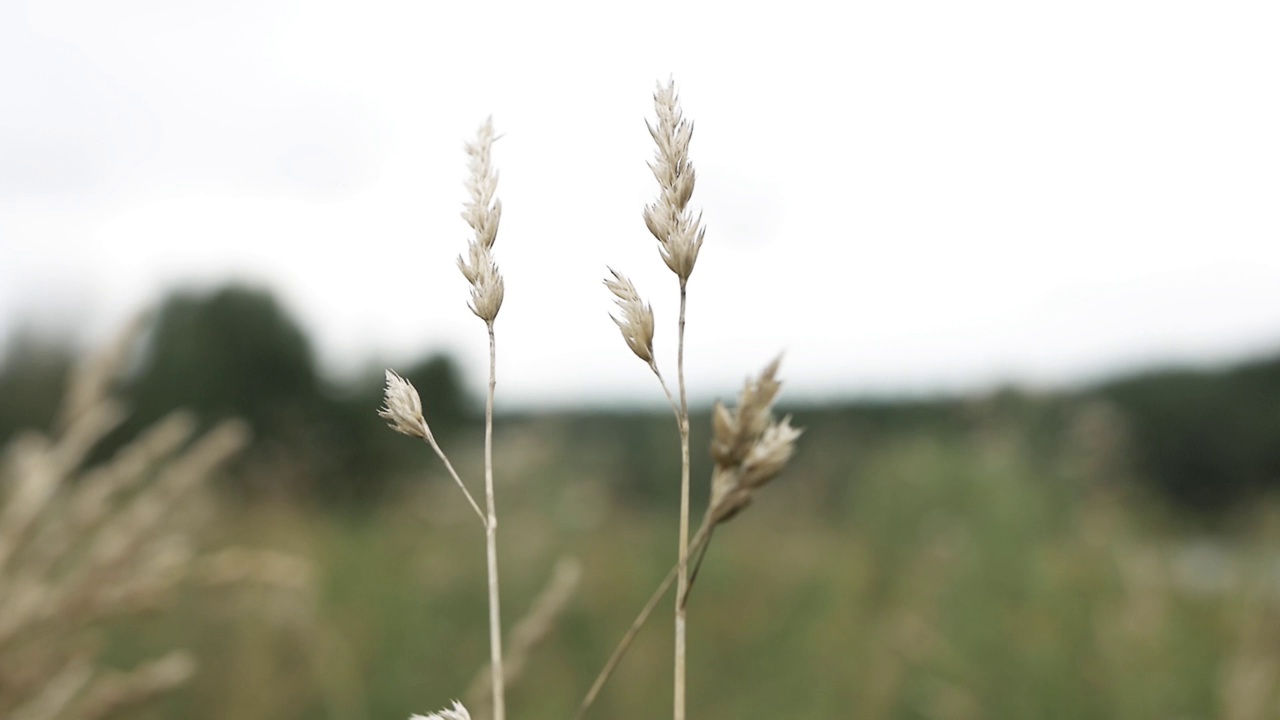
[903, 196]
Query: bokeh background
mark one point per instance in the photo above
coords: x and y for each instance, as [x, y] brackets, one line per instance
[1022, 262]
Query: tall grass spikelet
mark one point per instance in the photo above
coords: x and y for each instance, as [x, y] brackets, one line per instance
[636, 321]
[483, 213]
[678, 232]
[749, 447]
[679, 236]
[403, 407]
[83, 546]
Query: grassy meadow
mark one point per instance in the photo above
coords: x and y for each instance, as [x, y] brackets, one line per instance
[979, 575]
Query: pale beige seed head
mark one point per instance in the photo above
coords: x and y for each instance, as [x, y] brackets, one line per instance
[487, 288]
[487, 295]
[636, 320]
[770, 454]
[483, 212]
[402, 408]
[679, 234]
[749, 447]
[736, 432]
[457, 712]
[473, 262]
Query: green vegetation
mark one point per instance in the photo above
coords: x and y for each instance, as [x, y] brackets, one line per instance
[1207, 440]
[1013, 556]
[971, 577]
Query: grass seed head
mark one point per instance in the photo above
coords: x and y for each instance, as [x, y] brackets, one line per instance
[636, 320]
[678, 232]
[483, 213]
[487, 287]
[402, 408]
[749, 446]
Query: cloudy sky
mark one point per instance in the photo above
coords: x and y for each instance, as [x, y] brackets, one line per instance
[903, 196]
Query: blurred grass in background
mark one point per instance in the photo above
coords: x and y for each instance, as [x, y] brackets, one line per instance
[1107, 552]
[974, 577]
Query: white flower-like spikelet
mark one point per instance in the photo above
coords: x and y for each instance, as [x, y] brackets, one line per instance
[636, 321]
[678, 231]
[749, 446]
[402, 408]
[458, 712]
[483, 213]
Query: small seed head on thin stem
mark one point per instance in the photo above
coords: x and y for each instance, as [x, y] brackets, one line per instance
[636, 320]
[770, 454]
[457, 712]
[487, 288]
[402, 408]
[737, 431]
[678, 232]
[483, 213]
[749, 446]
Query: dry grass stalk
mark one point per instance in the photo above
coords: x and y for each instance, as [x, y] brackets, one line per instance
[403, 408]
[119, 692]
[530, 631]
[82, 545]
[483, 214]
[750, 449]
[679, 234]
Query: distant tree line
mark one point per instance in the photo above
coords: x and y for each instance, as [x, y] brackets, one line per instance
[1210, 440]
[235, 352]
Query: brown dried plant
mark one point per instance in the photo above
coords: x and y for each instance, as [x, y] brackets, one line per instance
[82, 546]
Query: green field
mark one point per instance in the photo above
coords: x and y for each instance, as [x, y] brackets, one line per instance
[977, 576]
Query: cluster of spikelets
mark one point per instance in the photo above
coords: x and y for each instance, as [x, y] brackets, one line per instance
[81, 546]
[749, 446]
[482, 213]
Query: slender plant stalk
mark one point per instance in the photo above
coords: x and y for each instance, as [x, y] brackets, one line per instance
[445, 459]
[491, 543]
[683, 558]
[675, 409]
[749, 447]
[700, 540]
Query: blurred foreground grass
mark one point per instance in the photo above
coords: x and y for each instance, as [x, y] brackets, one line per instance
[963, 578]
